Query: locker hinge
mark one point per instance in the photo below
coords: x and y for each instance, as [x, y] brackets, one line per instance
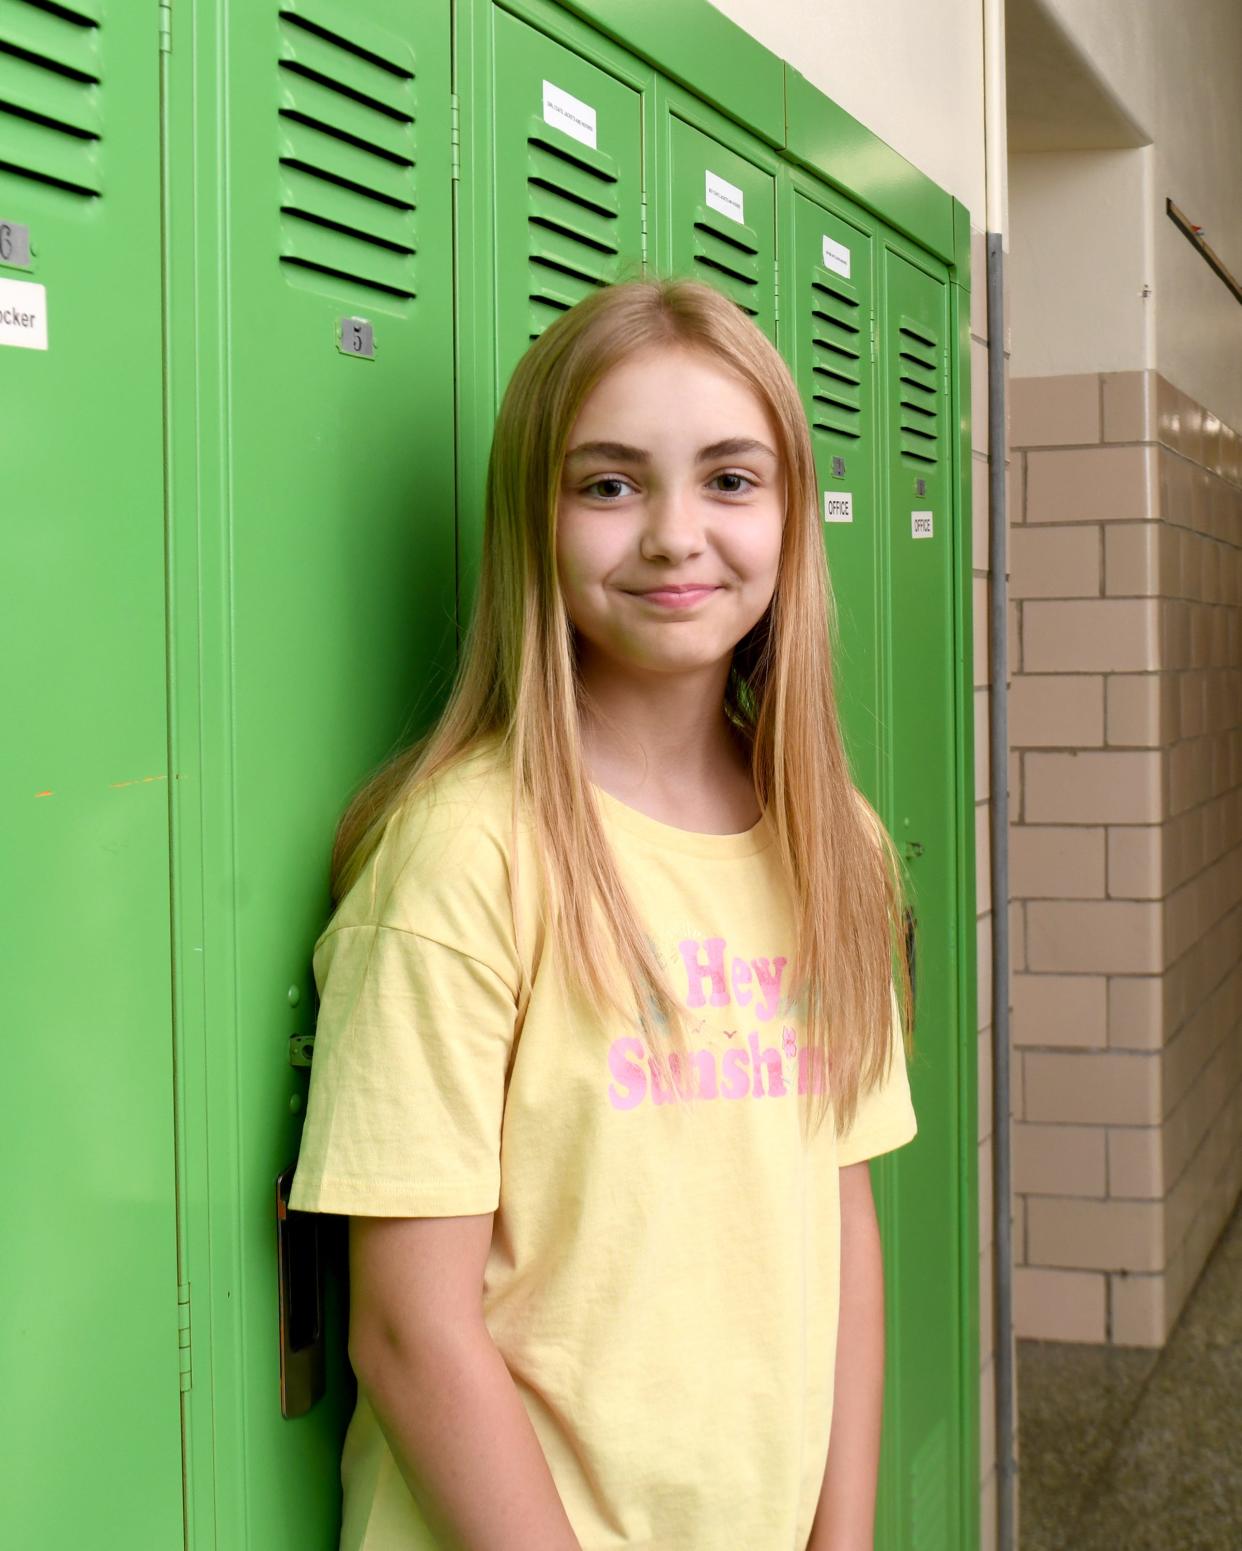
[776, 291]
[873, 342]
[165, 7]
[183, 1335]
[642, 205]
[454, 139]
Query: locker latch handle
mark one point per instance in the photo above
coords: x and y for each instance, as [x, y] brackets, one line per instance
[300, 1283]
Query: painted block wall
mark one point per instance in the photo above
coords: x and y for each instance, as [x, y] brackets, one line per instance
[1126, 719]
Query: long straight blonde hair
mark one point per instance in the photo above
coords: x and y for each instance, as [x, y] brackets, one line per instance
[517, 684]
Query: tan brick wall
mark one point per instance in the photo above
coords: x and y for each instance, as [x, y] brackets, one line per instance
[1126, 850]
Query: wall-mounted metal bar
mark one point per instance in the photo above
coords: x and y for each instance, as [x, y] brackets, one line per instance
[1192, 236]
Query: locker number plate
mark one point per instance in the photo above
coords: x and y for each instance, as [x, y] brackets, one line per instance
[920, 525]
[356, 337]
[14, 244]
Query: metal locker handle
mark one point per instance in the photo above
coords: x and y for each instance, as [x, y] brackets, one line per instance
[300, 1283]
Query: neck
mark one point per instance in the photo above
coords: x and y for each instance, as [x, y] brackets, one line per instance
[656, 732]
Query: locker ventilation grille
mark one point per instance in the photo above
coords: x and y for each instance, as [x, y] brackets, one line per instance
[729, 251]
[837, 344]
[50, 111]
[346, 138]
[572, 214]
[918, 356]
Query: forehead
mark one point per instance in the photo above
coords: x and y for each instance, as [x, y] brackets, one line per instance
[670, 393]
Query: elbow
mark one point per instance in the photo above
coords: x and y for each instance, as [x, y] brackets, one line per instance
[418, 1350]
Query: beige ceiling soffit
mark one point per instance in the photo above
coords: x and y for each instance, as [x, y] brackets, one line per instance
[1057, 100]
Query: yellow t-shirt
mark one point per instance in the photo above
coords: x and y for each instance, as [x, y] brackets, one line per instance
[664, 1274]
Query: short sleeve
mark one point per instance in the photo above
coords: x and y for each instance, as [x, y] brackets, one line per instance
[885, 1116]
[412, 1045]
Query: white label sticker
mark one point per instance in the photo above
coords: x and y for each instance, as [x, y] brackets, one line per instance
[725, 197]
[23, 314]
[570, 114]
[838, 506]
[837, 257]
[920, 525]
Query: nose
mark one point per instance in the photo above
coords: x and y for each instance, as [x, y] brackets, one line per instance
[673, 530]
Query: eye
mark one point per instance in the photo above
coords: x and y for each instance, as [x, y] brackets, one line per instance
[747, 484]
[608, 479]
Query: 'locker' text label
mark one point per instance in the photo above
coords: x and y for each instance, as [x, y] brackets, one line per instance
[23, 314]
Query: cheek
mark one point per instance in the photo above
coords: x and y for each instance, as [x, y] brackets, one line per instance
[580, 564]
[568, 548]
[757, 553]
[583, 552]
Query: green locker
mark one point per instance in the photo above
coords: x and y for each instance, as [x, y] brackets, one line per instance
[312, 615]
[89, 1328]
[551, 134]
[828, 336]
[567, 165]
[928, 1349]
[714, 194]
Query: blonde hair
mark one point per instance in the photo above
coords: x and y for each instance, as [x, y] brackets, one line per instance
[517, 683]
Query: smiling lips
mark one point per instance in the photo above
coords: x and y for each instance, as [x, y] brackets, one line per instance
[677, 597]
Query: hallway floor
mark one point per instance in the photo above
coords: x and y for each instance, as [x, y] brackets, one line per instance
[1128, 1447]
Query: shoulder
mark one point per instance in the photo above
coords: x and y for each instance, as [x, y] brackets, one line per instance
[443, 867]
[463, 809]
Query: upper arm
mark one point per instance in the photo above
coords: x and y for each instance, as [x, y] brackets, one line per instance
[857, 1202]
[412, 1277]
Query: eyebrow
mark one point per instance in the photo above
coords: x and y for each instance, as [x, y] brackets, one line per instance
[621, 452]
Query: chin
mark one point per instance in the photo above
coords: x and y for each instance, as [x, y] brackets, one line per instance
[689, 662]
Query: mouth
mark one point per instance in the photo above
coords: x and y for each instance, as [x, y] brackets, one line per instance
[677, 597]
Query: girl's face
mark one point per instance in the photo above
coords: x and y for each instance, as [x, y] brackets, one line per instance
[670, 514]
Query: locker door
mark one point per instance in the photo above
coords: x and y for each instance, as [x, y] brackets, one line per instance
[827, 333]
[552, 136]
[714, 191]
[568, 169]
[314, 611]
[927, 1348]
[89, 1334]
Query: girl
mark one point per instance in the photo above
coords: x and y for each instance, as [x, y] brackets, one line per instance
[614, 944]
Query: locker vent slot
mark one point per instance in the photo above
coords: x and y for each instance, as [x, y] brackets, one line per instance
[729, 251]
[572, 214]
[346, 120]
[50, 113]
[838, 339]
[918, 357]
